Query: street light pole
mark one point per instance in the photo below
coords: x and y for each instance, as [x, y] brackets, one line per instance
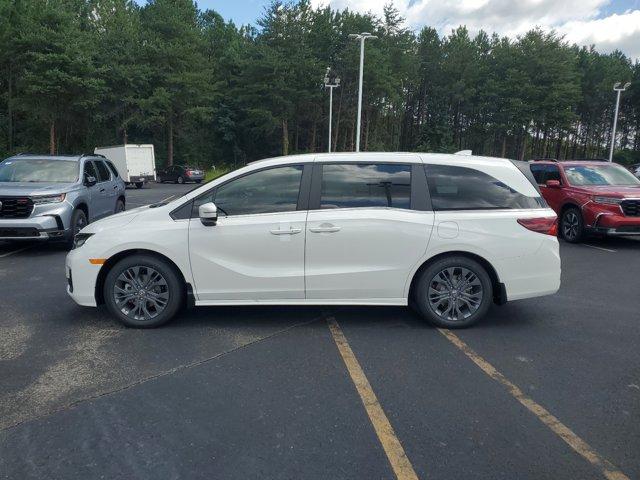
[330, 86]
[362, 37]
[616, 88]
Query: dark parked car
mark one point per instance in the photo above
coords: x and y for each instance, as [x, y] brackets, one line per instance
[180, 174]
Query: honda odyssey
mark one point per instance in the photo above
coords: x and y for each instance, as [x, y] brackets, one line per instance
[448, 234]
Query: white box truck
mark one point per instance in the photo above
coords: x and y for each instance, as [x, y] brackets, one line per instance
[135, 163]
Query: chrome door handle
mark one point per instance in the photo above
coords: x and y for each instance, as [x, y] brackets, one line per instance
[324, 229]
[291, 231]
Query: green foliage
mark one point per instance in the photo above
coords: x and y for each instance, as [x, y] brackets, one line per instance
[75, 74]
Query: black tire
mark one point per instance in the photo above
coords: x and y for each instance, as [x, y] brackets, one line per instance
[139, 184]
[120, 207]
[472, 303]
[198, 181]
[127, 311]
[180, 180]
[572, 225]
[78, 222]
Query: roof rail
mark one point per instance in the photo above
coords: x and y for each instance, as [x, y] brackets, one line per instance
[92, 155]
[587, 160]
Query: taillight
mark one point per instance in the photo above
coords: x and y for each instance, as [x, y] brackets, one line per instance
[188, 172]
[546, 225]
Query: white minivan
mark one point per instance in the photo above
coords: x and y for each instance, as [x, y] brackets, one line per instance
[448, 234]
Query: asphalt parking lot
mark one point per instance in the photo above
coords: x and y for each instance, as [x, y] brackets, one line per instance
[544, 388]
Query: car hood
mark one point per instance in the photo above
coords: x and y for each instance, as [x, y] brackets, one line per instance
[34, 188]
[118, 220]
[613, 191]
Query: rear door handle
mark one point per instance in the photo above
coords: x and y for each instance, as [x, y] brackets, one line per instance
[324, 228]
[101, 190]
[290, 231]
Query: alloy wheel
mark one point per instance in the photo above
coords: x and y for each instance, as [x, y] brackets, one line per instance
[570, 225]
[141, 293]
[455, 293]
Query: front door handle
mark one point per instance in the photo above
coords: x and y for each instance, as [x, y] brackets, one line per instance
[101, 190]
[325, 228]
[290, 231]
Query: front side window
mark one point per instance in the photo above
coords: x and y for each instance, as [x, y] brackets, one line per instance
[38, 170]
[538, 173]
[580, 175]
[90, 171]
[553, 173]
[103, 172]
[266, 191]
[365, 185]
[462, 188]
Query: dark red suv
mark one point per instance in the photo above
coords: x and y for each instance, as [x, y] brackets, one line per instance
[590, 197]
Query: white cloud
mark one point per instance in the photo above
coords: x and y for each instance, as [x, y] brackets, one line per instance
[580, 20]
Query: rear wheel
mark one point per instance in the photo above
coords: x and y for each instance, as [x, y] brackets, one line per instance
[143, 291]
[454, 292]
[120, 206]
[572, 225]
[180, 180]
[139, 184]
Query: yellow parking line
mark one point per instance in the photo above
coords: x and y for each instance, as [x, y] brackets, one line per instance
[609, 470]
[392, 447]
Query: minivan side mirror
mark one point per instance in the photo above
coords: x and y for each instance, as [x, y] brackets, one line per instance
[90, 181]
[553, 183]
[208, 213]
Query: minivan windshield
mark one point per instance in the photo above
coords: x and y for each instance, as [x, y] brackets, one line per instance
[38, 170]
[581, 175]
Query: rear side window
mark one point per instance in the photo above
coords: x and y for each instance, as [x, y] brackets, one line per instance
[103, 172]
[365, 185]
[113, 169]
[462, 188]
[552, 173]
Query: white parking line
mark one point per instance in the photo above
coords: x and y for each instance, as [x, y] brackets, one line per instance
[600, 248]
[6, 254]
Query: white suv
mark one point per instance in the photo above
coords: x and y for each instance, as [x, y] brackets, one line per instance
[449, 234]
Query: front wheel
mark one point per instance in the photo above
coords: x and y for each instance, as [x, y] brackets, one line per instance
[78, 222]
[454, 292]
[119, 206]
[143, 291]
[572, 225]
[139, 184]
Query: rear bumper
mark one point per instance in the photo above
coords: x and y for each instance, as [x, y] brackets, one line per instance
[142, 179]
[194, 178]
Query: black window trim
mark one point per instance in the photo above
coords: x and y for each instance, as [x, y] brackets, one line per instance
[420, 199]
[303, 192]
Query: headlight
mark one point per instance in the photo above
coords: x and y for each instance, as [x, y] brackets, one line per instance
[48, 199]
[608, 200]
[80, 239]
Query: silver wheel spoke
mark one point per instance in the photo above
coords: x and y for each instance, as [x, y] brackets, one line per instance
[455, 293]
[141, 293]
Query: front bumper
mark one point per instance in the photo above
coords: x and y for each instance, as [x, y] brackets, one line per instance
[81, 279]
[609, 223]
[44, 227]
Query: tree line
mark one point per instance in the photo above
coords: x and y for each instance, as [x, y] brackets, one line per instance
[76, 74]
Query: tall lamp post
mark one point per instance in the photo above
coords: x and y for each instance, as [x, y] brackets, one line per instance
[330, 85]
[362, 37]
[619, 89]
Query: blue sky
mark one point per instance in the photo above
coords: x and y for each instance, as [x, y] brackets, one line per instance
[608, 24]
